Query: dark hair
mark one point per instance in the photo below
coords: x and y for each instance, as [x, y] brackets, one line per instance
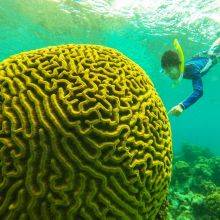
[170, 58]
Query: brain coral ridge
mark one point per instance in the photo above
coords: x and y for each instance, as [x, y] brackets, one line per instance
[83, 135]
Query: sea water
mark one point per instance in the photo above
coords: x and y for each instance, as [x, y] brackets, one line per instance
[142, 30]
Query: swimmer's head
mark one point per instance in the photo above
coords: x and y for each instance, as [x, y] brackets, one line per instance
[170, 62]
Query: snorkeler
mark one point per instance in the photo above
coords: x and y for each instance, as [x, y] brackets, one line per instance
[173, 66]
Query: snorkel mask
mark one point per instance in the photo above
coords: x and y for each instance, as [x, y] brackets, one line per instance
[180, 54]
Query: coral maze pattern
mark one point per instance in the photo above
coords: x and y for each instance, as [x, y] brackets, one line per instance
[84, 135]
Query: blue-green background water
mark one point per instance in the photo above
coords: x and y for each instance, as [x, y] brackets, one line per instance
[142, 30]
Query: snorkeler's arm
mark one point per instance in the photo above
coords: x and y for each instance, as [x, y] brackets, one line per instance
[197, 93]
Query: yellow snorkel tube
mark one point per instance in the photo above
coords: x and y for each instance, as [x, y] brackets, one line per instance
[180, 54]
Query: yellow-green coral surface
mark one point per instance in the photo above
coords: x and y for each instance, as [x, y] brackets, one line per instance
[83, 135]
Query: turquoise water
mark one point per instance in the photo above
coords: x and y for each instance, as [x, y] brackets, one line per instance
[142, 30]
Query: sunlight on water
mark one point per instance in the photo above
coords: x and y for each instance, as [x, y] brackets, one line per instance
[199, 18]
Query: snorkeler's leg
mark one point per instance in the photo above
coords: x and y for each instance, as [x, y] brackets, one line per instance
[215, 47]
[215, 50]
[210, 51]
[216, 42]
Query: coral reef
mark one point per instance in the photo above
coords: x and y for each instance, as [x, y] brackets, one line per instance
[182, 171]
[84, 135]
[194, 191]
[212, 203]
[163, 212]
[191, 152]
[215, 166]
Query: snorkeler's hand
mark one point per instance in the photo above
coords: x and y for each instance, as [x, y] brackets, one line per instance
[176, 110]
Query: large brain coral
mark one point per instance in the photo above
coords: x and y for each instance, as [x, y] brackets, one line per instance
[84, 135]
